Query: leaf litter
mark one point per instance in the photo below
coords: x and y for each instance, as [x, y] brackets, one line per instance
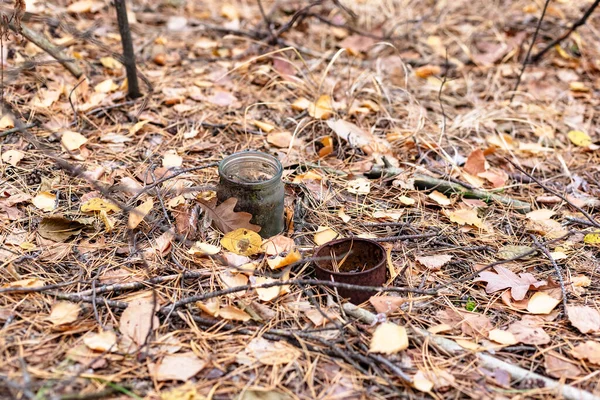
[112, 238]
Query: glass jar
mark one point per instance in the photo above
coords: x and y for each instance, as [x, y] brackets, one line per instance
[254, 178]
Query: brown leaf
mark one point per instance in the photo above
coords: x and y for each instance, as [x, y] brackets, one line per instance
[178, 367]
[225, 218]
[475, 162]
[584, 318]
[471, 324]
[386, 304]
[589, 350]
[528, 331]
[505, 278]
[138, 319]
[558, 367]
[58, 229]
[64, 312]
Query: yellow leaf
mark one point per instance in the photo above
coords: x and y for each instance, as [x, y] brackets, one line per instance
[561, 52]
[106, 86]
[98, 204]
[264, 126]
[85, 6]
[281, 261]
[233, 313]
[324, 235]
[502, 337]
[427, 70]
[301, 104]
[592, 238]
[109, 224]
[267, 294]
[72, 140]
[138, 125]
[322, 108]
[45, 201]
[466, 217]
[27, 246]
[579, 138]
[439, 198]
[389, 338]
[102, 341]
[110, 63]
[139, 213]
[242, 241]
[64, 312]
[203, 249]
[542, 303]
[578, 87]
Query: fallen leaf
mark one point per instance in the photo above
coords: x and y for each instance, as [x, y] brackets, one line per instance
[322, 108]
[407, 201]
[12, 157]
[434, 263]
[542, 303]
[584, 318]
[45, 201]
[428, 70]
[475, 162]
[355, 136]
[137, 215]
[505, 278]
[470, 323]
[301, 104]
[558, 367]
[360, 186]
[356, 44]
[421, 383]
[280, 139]
[547, 227]
[26, 283]
[7, 122]
[85, 6]
[225, 218]
[527, 331]
[541, 214]
[386, 304]
[466, 217]
[203, 249]
[102, 341]
[99, 204]
[110, 63]
[439, 198]
[211, 306]
[230, 280]
[503, 337]
[58, 229]
[496, 177]
[578, 87]
[592, 238]
[579, 138]
[233, 314]
[178, 367]
[439, 328]
[589, 350]
[511, 251]
[270, 352]
[72, 140]
[139, 320]
[222, 98]
[172, 160]
[266, 294]
[324, 234]
[106, 86]
[277, 244]
[242, 241]
[468, 344]
[390, 215]
[264, 126]
[389, 338]
[284, 260]
[64, 312]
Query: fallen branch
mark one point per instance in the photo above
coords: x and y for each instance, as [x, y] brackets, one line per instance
[568, 392]
[43, 43]
[424, 182]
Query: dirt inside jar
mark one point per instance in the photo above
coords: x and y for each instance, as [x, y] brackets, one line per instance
[254, 173]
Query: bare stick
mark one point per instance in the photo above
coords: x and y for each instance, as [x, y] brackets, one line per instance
[568, 33]
[537, 30]
[133, 87]
[48, 47]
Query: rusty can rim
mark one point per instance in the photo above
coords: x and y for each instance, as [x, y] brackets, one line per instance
[355, 239]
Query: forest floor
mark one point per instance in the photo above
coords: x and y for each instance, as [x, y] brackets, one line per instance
[393, 120]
